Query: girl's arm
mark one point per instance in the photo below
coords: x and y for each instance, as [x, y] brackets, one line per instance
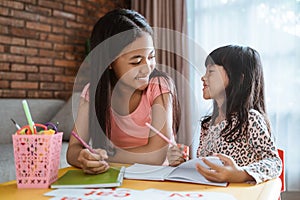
[265, 164]
[79, 157]
[269, 165]
[155, 151]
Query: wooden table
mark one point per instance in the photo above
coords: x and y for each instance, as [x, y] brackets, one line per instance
[269, 190]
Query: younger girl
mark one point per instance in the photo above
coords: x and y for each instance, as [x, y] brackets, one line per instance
[238, 130]
[125, 92]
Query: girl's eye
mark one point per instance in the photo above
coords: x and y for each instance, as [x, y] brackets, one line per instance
[136, 62]
[151, 57]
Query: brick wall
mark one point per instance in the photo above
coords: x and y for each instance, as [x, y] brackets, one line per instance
[42, 44]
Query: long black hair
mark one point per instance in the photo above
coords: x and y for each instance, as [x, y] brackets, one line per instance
[113, 32]
[245, 89]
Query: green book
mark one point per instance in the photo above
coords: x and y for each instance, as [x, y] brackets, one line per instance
[113, 177]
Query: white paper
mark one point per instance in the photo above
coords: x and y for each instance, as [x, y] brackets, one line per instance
[129, 194]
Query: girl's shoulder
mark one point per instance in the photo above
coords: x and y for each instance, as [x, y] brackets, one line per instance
[164, 82]
[255, 114]
[257, 119]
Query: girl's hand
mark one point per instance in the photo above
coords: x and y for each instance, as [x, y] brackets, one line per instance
[92, 163]
[175, 156]
[230, 172]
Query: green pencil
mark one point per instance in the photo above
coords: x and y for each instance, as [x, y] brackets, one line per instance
[28, 116]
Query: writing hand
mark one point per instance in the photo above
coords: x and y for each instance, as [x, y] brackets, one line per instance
[93, 163]
[230, 172]
[175, 156]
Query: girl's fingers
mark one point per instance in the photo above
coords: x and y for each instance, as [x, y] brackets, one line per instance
[227, 160]
[102, 153]
[209, 174]
[96, 168]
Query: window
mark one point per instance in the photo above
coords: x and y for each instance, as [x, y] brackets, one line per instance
[272, 27]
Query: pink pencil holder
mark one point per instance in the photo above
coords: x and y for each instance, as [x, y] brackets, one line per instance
[37, 159]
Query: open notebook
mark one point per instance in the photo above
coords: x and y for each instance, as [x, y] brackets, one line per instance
[113, 177]
[185, 172]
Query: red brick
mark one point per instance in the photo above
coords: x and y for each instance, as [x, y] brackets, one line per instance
[76, 40]
[58, 13]
[23, 50]
[39, 10]
[24, 85]
[24, 15]
[50, 4]
[52, 37]
[77, 25]
[4, 29]
[70, 87]
[40, 77]
[40, 94]
[52, 70]
[12, 40]
[74, 9]
[70, 56]
[51, 86]
[63, 47]
[56, 33]
[52, 21]
[62, 95]
[12, 4]
[12, 58]
[21, 32]
[11, 22]
[37, 43]
[12, 93]
[4, 66]
[38, 26]
[62, 30]
[71, 2]
[24, 68]
[87, 5]
[38, 61]
[63, 78]
[50, 53]
[12, 76]
[4, 11]
[80, 49]
[4, 84]
[29, 1]
[71, 71]
[65, 63]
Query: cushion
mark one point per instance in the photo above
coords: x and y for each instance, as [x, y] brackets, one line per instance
[42, 110]
[67, 115]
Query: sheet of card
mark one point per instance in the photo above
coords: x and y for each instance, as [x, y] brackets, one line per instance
[129, 194]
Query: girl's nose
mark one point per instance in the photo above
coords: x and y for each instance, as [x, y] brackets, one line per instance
[145, 68]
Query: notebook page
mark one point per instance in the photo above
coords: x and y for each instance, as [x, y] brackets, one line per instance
[192, 163]
[147, 172]
[186, 172]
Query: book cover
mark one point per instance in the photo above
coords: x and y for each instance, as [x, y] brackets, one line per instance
[113, 177]
[185, 172]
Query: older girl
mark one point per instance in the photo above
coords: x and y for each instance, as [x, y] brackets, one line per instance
[125, 92]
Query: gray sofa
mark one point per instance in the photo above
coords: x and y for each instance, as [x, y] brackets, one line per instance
[42, 110]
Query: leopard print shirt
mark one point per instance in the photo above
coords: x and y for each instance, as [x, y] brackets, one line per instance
[255, 151]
